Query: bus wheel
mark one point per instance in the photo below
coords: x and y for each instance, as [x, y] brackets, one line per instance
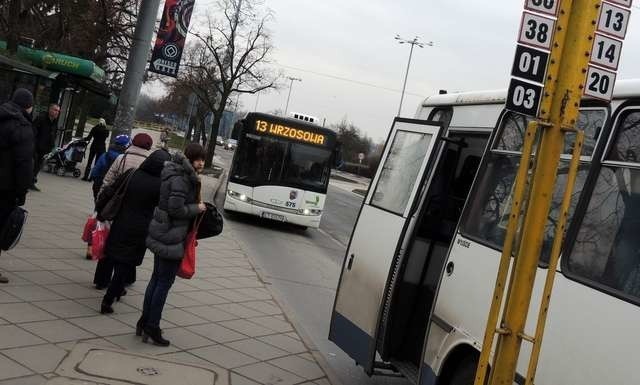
[465, 372]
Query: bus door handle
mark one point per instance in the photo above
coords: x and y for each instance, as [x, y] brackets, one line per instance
[350, 263]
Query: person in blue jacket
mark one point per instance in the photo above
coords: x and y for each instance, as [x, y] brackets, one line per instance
[105, 161]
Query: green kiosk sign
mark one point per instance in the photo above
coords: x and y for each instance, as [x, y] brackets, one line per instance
[59, 62]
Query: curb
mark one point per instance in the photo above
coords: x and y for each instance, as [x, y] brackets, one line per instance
[289, 314]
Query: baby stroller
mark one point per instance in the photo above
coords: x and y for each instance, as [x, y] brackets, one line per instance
[65, 159]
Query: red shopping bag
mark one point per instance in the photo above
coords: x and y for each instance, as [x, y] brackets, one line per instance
[88, 228]
[99, 240]
[188, 265]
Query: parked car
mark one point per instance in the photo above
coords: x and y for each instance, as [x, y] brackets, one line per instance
[231, 144]
[220, 141]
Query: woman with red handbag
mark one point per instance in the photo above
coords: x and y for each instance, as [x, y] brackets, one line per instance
[177, 209]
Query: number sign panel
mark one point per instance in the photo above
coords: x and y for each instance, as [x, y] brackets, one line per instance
[524, 97]
[600, 83]
[624, 3]
[613, 20]
[606, 52]
[549, 7]
[536, 30]
[530, 64]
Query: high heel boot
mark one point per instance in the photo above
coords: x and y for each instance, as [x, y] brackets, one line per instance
[140, 326]
[105, 307]
[155, 333]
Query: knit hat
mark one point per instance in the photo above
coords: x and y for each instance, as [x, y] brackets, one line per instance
[23, 98]
[122, 140]
[142, 140]
[102, 122]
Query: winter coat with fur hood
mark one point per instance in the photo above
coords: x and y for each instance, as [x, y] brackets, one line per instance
[177, 208]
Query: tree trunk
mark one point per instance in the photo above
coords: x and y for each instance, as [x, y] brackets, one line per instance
[187, 136]
[196, 136]
[211, 147]
[14, 32]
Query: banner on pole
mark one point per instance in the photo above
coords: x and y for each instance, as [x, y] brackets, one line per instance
[171, 37]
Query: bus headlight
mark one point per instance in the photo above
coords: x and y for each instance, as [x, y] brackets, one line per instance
[310, 212]
[238, 196]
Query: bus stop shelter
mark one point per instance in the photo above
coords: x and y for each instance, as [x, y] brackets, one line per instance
[53, 78]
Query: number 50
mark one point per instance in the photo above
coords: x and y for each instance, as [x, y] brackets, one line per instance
[550, 7]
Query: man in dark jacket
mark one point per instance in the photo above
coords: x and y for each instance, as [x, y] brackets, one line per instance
[44, 129]
[99, 135]
[16, 153]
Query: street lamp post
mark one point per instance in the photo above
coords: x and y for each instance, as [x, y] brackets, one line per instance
[414, 42]
[286, 109]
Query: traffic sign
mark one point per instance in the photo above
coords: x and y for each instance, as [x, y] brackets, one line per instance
[624, 3]
[613, 20]
[549, 7]
[600, 83]
[530, 64]
[524, 97]
[606, 51]
[536, 30]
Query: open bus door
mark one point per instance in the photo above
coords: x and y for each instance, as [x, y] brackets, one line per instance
[408, 157]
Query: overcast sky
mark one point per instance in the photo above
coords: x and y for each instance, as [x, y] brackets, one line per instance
[320, 40]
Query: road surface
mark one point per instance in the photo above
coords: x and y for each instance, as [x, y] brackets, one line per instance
[303, 268]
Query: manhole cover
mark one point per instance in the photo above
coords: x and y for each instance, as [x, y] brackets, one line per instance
[99, 365]
[148, 371]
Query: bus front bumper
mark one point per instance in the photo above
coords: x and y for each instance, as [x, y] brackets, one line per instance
[233, 204]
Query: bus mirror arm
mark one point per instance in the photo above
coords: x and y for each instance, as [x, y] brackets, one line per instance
[458, 142]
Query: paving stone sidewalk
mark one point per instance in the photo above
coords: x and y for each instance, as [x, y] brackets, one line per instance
[223, 319]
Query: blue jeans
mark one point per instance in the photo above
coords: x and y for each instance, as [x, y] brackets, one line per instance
[164, 274]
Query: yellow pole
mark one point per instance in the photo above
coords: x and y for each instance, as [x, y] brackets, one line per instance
[559, 111]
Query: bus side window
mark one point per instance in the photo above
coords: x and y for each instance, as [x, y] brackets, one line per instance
[442, 115]
[606, 250]
[488, 210]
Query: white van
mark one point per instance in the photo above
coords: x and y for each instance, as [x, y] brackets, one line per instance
[421, 265]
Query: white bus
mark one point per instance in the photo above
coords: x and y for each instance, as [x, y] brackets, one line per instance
[281, 169]
[420, 268]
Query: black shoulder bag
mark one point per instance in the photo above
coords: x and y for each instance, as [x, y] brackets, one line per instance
[110, 200]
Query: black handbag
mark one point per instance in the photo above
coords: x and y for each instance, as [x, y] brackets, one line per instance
[110, 200]
[11, 231]
[211, 223]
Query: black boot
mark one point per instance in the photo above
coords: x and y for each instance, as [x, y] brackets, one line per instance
[122, 294]
[155, 333]
[106, 308]
[140, 326]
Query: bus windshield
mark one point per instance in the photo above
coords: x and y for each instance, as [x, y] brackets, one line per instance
[263, 160]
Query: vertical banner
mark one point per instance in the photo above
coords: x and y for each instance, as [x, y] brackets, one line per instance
[172, 34]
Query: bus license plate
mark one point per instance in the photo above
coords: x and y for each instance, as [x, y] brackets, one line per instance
[274, 217]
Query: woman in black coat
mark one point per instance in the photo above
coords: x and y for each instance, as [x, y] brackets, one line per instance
[126, 242]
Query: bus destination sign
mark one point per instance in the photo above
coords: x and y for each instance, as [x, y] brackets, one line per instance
[282, 130]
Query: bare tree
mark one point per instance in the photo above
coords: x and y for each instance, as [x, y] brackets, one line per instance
[97, 30]
[234, 54]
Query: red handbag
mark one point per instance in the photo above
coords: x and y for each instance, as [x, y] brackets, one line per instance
[88, 228]
[99, 240]
[188, 265]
